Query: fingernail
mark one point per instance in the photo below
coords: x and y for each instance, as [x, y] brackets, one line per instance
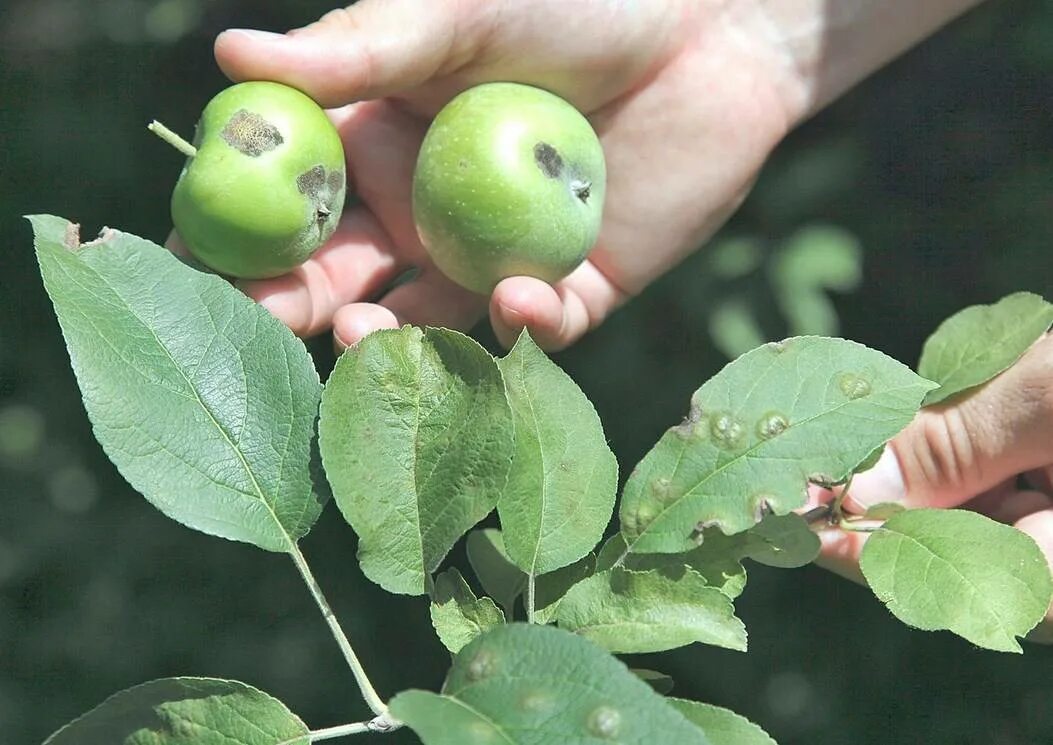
[882, 483]
[254, 34]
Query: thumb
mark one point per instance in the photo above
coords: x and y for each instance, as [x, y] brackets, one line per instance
[956, 450]
[369, 50]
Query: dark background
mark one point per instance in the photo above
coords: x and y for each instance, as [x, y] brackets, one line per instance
[941, 166]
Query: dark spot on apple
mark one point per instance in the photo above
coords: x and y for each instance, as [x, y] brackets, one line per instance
[548, 160]
[311, 181]
[335, 181]
[251, 134]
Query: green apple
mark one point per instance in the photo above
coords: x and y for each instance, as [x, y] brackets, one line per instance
[509, 181]
[263, 186]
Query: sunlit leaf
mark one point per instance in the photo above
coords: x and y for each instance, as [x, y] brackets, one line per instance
[416, 436]
[805, 409]
[457, 615]
[561, 489]
[718, 559]
[630, 611]
[722, 726]
[186, 711]
[977, 343]
[203, 400]
[536, 685]
[960, 571]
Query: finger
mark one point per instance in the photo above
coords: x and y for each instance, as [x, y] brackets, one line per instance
[556, 316]
[175, 244]
[369, 50]
[431, 300]
[355, 321]
[961, 448]
[1039, 525]
[354, 264]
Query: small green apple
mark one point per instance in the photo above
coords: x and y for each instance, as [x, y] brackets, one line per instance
[263, 186]
[509, 181]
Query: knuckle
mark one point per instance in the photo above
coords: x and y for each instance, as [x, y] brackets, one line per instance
[947, 456]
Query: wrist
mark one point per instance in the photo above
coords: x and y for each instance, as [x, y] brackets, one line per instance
[815, 50]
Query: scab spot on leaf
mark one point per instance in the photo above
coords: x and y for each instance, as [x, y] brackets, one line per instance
[660, 489]
[779, 346]
[727, 431]
[548, 160]
[698, 535]
[482, 666]
[535, 702]
[689, 426]
[853, 386]
[605, 722]
[762, 506]
[251, 134]
[771, 425]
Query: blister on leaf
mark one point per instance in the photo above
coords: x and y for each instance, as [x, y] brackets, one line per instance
[536, 685]
[790, 412]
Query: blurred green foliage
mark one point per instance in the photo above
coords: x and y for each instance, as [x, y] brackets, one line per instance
[940, 168]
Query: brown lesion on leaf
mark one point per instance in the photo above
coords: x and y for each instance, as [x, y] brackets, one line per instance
[71, 239]
[251, 134]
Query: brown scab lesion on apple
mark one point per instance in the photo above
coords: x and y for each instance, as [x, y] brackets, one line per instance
[251, 134]
[320, 187]
[548, 160]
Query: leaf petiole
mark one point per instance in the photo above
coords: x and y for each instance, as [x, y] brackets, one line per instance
[365, 686]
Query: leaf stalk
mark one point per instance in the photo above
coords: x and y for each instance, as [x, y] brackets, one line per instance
[376, 704]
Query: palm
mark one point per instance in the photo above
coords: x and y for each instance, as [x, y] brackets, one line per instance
[682, 145]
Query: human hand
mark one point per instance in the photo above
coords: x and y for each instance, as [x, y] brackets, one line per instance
[686, 112]
[990, 451]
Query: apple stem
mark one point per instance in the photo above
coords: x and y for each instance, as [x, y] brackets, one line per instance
[172, 138]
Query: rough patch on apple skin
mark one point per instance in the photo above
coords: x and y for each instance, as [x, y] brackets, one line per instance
[548, 160]
[320, 187]
[251, 134]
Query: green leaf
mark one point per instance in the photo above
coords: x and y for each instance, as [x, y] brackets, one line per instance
[457, 615]
[722, 726]
[960, 571]
[417, 438]
[536, 685]
[786, 542]
[807, 408]
[204, 401]
[550, 588]
[501, 579]
[561, 489]
[186, 711]
[717, 558]
[660, 682]
[977, 343]
[629, 611]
